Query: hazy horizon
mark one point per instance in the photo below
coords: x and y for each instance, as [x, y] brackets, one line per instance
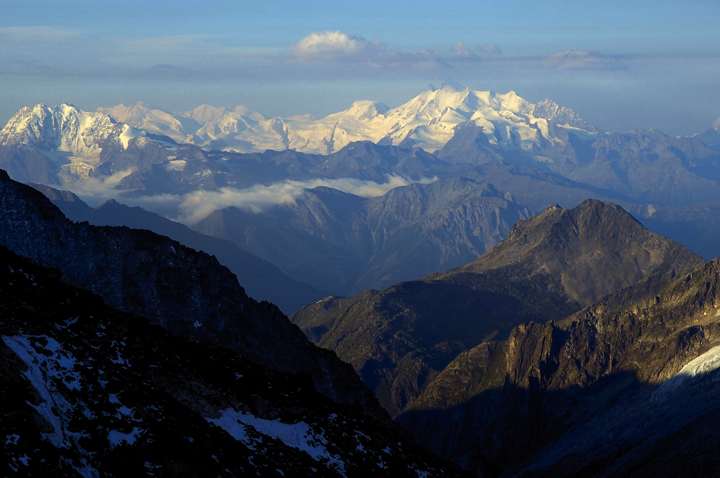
[621, 66]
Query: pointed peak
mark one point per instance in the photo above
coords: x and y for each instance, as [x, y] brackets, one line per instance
[366, 109]
[242, 110]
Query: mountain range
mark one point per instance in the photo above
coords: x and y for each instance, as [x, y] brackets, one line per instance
[536, 154]
[428, 121]
[576, 342]
[595, 351]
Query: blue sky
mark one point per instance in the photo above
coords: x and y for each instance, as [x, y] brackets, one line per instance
[622, 65]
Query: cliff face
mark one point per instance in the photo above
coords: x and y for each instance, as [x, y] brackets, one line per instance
[607, 390]
[550, 266]
[87, 390]
[187, 292]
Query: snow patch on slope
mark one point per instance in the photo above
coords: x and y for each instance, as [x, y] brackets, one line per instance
[697, 367]
[46, 366]
[298, 435]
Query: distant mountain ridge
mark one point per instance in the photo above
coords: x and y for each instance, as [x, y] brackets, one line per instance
[670, 182]
[428, 121]
[344, 243]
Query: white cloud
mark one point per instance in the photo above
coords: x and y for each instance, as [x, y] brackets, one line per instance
[104, 187]
[197, 205]
[333, 44]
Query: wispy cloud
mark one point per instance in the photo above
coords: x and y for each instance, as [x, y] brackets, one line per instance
[584, 60]
[37, 33]
[476, 52]
[194, 206]
[199, 204]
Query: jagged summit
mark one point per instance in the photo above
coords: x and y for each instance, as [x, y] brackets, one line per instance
[148, 119]
[593, 248]
[65, 128]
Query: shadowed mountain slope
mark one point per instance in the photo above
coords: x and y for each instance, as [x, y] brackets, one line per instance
[622, 387]
[550, 266]
[89, 391]
[185, 291]
[260, 278]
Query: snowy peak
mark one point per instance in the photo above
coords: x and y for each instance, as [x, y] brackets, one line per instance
[429, 120]
[205, 113]
[65, 128]
[239, 129]
[364, 110]
[561, 115]
[148, 119]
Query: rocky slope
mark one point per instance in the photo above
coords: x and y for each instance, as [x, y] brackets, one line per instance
[185, 291]
[589, 251]
[399, 338]
[345, 243]
[261, 279]
[627, 386]
[88, 391]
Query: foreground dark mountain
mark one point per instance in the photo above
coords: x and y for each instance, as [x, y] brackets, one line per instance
[260, 278]
[89, 391]
[187, 292]
[627, 386]
[551, 265]
[344, 243]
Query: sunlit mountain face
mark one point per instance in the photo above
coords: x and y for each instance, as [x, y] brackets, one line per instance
[369, 239]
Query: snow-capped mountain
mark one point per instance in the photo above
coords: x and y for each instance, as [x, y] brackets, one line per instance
[64, 128]
[427, 121]
[237, 129]
[151, 120]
